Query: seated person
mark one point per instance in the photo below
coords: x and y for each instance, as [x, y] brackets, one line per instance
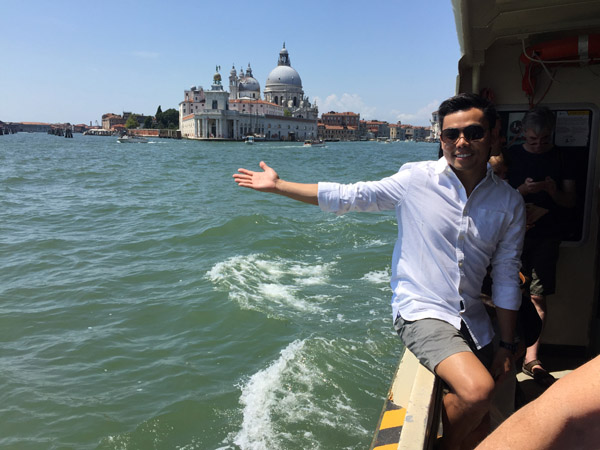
[538, 171]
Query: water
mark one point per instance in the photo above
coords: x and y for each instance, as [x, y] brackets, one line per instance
[148, 302]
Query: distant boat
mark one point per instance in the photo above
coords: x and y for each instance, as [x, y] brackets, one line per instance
[132, 139]
[314, 143]
[249, 140]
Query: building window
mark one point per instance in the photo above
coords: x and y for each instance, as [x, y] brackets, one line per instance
[215, 104]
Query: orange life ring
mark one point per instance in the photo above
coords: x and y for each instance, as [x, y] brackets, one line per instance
[584, 49]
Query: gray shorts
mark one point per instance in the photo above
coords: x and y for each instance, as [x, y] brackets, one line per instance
[433, 340]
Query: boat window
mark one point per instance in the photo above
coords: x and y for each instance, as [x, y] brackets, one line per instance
[576, 132]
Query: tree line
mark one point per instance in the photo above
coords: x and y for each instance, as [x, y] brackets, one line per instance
[168, 119]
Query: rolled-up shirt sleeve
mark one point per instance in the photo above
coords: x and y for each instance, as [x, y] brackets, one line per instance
[364, 196]
[506, 261]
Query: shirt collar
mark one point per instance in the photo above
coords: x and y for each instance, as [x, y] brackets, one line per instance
[490, 173]
[442, 164]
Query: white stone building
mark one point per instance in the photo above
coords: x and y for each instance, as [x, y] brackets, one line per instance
[284, 114]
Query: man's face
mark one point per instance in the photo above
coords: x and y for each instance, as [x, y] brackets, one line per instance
[465, 141]
[538, 142]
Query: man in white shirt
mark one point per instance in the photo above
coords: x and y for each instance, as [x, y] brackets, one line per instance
[455, 218]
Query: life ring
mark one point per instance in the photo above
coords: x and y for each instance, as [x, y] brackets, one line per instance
[584, 49]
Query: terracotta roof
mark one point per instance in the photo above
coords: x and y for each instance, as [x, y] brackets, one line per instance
[339, 114]
[34, 123]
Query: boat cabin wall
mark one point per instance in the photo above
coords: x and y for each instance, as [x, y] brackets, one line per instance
[573, 311]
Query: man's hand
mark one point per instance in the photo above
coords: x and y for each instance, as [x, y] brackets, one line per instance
[551, 186]
[269, 181]
[502, 364]
[261, 181]
[532, 187]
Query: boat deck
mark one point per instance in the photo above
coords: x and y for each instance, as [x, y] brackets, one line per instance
[411, 414]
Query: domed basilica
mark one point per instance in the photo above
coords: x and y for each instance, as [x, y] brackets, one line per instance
[284, 114]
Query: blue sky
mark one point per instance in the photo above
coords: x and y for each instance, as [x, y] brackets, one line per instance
[66, 61]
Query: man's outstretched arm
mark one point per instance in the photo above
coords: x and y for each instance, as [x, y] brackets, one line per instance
[269, 181]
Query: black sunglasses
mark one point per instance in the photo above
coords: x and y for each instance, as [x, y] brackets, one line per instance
[470, 133]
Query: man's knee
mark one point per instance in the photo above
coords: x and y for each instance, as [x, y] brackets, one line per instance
[469, 380]
[477, 393]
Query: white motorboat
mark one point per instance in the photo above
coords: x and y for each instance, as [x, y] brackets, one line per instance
[318, 143]
[132, 139]
[249, 140]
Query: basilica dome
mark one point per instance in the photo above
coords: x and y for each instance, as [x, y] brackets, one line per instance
[284, 75]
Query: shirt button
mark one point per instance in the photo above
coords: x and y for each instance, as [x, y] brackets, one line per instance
[460, 263]
[460, 291]
[465, 212]
[461, 237]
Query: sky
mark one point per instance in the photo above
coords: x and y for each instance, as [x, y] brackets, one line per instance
[67, 61]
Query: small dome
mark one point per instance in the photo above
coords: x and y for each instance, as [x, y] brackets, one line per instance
[284, 75]
[249, 84]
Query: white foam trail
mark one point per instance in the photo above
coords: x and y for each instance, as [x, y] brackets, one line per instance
[282, 403]
[272, 285]
[377, 277]
[259, 396]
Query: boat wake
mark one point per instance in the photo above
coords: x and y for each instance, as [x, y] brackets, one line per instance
[276, 286]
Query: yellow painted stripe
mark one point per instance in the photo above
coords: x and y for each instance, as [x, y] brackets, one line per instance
[387, 447]
[393, 418]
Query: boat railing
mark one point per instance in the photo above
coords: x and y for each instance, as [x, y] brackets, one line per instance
[411, 414]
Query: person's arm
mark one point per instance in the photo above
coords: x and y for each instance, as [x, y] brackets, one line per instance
[566, 196]
[565, 416]
[506, 292]
[269, 181]
[503, 359]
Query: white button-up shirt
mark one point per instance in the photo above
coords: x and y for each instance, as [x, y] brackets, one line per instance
[446, 241]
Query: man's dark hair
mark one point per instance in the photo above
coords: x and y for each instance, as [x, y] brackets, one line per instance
[465, 101]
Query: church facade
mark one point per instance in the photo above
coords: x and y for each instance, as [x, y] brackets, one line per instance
[285, 113]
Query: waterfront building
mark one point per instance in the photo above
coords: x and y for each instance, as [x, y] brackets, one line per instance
[339, 126]
[112, 121]
[109, 120]
[378, 128]
[421, 133]
[33, 127]
[284, 114]
[397, 132]
[435, 127]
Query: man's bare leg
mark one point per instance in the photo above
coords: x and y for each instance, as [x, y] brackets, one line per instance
[468, 401]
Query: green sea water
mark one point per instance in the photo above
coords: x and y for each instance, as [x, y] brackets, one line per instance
[148, 302]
